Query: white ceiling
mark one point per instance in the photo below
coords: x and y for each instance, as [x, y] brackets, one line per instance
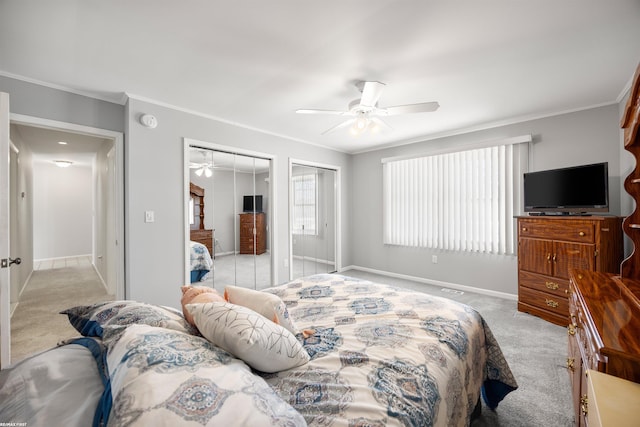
[254, 63]
[44, 143]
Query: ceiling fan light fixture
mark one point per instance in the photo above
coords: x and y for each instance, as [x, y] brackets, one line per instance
[361, 123]
[199, 171]
[208, 172]
[63, 163]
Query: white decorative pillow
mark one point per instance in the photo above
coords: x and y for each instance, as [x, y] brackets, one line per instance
[269, 305]
[161, 377]
[249, 336]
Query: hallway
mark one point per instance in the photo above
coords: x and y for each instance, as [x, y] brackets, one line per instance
[55, 285]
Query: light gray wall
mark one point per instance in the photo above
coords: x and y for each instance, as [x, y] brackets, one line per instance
[155, 251]
[588, 136]
[62, 210]
[40, 101]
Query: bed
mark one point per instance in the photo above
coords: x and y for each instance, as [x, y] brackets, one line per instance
[373, 355]
[200, 261]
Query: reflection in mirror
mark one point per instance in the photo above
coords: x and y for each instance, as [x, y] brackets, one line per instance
[240, 239]
[313, 210]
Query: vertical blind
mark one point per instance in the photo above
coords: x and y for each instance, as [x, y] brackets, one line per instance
[460, 201]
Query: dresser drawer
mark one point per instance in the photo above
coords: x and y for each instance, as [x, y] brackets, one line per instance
[571, 231]
[546, 301]
[539, 282]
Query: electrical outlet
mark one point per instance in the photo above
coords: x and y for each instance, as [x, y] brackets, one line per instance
[434, 259]
[149, 216]
[286, 262]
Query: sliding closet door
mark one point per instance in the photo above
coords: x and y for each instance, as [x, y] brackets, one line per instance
[237, 206]
[313, 225]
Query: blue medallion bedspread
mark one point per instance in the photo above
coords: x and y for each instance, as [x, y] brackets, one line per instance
[385, 356]
[200, 261]
[380, 356]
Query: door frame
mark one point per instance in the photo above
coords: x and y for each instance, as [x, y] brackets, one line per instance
[337, 213]
[5, 283]
[118, 210]
[273, 203]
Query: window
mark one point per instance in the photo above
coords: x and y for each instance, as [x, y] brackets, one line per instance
[305, 204]
[461, 201]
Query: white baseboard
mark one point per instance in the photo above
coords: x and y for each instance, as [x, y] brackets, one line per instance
[316, 260]
[482, 291]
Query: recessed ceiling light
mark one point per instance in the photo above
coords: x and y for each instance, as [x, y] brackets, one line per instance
[63, 163]
[62, 142]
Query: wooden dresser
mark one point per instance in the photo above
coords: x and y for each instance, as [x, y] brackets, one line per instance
[549, 247]
[250, 236]
[604, 332]
[604, 327]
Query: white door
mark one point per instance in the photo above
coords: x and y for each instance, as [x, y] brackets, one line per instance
[5, 283]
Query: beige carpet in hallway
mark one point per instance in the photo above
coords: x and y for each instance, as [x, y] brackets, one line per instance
[36, 324]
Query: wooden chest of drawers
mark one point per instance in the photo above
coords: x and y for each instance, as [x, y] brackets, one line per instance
[253, 233]
[604, 331]
[550, 247]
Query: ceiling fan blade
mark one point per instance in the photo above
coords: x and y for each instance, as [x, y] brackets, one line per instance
[371, 93]
[424, 107]
[344, 124]
[320, 112]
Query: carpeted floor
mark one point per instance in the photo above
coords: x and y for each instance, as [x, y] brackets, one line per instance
[36, 324]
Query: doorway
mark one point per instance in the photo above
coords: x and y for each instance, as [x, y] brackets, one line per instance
[229, 211]
[314, 212]
[46, 201]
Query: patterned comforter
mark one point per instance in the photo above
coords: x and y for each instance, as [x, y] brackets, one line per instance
[380, 356]
[388, 356]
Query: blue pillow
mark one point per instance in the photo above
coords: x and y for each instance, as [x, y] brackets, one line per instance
[89, 320]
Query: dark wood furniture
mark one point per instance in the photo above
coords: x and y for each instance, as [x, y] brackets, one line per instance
[253, 233]
[198, 233]
[604, 324]
[549, 247]
[604, 331]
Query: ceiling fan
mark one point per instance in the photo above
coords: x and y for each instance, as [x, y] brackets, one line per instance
[205, 167]
[365, 113]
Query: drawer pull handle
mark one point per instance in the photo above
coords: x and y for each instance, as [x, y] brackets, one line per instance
[551, 285]
[584, 404]
[571, 364]
[549, 257]
[524, 228]
[581, 234]
[551, 303]
[571, 330]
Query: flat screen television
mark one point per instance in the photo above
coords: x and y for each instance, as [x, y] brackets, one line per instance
[247, 203]
[572, 190]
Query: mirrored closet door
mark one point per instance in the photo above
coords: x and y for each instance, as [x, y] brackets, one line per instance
[313, 220]
[229, 216]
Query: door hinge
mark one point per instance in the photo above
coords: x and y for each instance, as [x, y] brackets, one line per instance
[4, 263]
